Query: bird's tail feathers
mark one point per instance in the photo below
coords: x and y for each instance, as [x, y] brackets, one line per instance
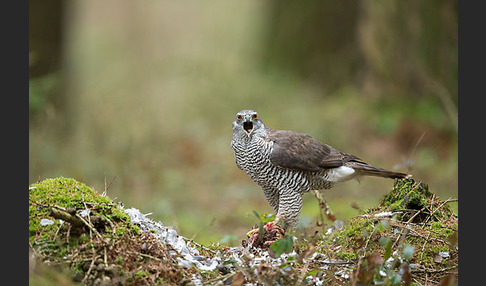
[365, 169]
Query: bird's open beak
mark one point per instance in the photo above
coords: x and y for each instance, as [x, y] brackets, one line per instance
[248, 124]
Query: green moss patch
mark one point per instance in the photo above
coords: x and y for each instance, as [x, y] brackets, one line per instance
[72, 197]
[74, 227]
[413, 202]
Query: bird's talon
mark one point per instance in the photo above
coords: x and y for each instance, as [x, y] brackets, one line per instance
[253, 231]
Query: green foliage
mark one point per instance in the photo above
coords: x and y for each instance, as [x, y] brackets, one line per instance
[265, 217]
[387, 244]
[282, 245]
[408, 251]
[262, 220]
[260, 223]
[141, 274]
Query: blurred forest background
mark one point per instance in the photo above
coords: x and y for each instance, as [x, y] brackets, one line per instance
[146, 92]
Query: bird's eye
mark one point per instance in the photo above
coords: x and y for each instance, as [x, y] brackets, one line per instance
[255, 116]
[238, 117]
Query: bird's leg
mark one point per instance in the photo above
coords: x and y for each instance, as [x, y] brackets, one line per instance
[289, 207]
[272, 196]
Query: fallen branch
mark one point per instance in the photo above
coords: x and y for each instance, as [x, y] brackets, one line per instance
[75, 220]
[61, 213]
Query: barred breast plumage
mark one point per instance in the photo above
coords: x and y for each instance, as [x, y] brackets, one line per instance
[286, 164]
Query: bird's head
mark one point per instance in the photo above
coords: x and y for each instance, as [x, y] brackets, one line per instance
[247, 123]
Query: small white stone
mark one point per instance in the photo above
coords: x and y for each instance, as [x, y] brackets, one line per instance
[46, 221]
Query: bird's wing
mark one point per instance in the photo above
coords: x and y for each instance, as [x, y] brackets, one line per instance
[294, 150]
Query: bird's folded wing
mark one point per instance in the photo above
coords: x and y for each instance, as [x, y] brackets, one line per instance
[299, 151]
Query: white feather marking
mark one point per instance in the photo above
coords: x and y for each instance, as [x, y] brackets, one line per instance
[340, 174]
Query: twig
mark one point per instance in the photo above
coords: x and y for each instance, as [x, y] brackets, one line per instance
[102, 204]
[338, 262]
[109, 185]
[409, 169]
[145, 255]
[61, 213]
[431, 271]
[416, 234]
[243, 271]
[423, 247]
[67, 237]
[324, 206]
[354, 277]
[414, 215]
[430, 210]
[416, 144]
[443, 203]
[369, 237]
[401, 237]
[224, 277]
[89, 269]
[187, 240]
[76, 220]
[90, 226]
[33, 249]
[303, 273]
[105, 259]
[57, 231]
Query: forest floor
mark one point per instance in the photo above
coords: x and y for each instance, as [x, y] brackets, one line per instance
[78, 236]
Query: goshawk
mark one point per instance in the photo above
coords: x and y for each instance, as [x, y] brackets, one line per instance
[286, 164]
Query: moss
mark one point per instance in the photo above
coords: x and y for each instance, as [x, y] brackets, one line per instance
[83, 238]
[135, 229]
[407, 194]
[413, 199]
[119, 260]
[71, 195]
[349, 238]
[120, 231]
[346, 255]
[435, 232]
[141, 274]
[64, 192]
[106, 231]
[436, 225]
